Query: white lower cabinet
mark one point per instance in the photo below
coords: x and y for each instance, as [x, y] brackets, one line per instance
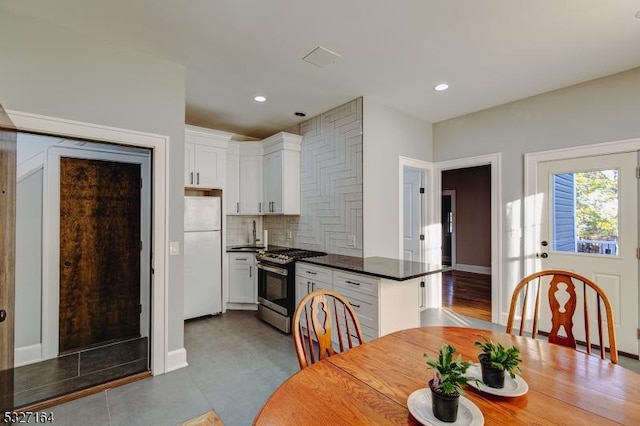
[243, 281]
[382, 305]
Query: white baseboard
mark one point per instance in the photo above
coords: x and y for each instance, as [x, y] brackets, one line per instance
[176, 360]
[28, 355]
[242, 306]
[473, 268]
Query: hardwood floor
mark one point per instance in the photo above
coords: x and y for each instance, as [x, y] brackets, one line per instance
[466, 293]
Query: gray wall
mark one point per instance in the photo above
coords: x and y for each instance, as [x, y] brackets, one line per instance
[51, 71]
[598, 111]
[29, 260]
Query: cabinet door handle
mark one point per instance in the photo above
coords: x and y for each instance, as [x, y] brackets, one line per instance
[260, 207]
[313, 286]
[354, 305]
[241, 258]
[311, 273]
[237, 207]
[250, 271]
[191, 178]
[198, 178]
[352, 282]
[308, 287]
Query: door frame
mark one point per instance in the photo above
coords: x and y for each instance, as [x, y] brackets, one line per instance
[531, 162]
[160, 362]
[452, 193]
[431, 297]
[495, 161]
[51, 236]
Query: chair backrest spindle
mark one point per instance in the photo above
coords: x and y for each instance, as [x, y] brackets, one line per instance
[324, 323]
[562, 309]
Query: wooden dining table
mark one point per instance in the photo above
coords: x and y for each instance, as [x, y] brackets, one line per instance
[370, 384]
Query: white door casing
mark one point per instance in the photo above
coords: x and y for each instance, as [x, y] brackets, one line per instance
[412, 214]
[51, 235]
[452, 194]
[161, 360]
[617, 274]
[498, 310]
[430, 296]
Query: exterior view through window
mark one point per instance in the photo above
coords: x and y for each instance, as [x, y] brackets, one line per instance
[585, 212]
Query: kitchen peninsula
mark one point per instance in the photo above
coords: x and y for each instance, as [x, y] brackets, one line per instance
[384, 292]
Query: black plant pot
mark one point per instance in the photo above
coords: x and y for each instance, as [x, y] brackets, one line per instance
[445, 407]
[492, 377]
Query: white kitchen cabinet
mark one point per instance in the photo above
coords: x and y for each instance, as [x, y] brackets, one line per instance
[205, 157]
[282, 174]
[310, 278]
[244, 179]
[231, 192]
[251, 184]
[382, 305]
[243, 282]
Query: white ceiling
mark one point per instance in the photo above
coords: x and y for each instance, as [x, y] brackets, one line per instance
[490, 52]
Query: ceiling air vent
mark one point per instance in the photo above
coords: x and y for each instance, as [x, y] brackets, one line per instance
[321, 57]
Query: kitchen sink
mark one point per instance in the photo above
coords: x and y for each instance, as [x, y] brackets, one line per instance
[245, 248]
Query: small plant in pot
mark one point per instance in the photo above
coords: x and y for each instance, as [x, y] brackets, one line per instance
[496, 360]
[446, 385]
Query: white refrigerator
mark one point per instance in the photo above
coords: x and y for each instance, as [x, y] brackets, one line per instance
[202, 256]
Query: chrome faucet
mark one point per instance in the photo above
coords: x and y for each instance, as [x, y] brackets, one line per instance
[254, 233]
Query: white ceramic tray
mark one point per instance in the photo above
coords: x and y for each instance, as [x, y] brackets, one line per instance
[419, 404]
[512, 387]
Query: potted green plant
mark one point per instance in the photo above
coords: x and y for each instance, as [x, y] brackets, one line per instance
[496, 360]
[446, 385]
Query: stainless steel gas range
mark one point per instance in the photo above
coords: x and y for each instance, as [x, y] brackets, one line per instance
[276, 285]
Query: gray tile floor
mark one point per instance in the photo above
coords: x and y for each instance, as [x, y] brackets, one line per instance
[235, 363]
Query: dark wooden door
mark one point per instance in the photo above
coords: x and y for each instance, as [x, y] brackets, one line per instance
[99, 252]
[8, 145]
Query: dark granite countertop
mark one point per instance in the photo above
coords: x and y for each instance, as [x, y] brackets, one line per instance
[381, 267]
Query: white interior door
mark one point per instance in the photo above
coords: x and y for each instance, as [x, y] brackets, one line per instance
[589, 225]
[412, 212]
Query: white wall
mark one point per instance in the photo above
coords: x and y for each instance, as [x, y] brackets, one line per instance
[51, 71]
[598, 111]
[387, 134]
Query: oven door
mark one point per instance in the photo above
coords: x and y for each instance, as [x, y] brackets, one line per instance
[272, 287]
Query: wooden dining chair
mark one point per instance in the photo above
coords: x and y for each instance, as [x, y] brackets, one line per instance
[324, 324]
[563, 302]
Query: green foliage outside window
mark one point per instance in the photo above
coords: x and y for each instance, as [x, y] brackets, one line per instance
[597, 205]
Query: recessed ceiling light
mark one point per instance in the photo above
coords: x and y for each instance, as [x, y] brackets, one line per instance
[440, 87]
[259, 98]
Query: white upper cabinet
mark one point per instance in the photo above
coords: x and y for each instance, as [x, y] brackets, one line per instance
[282, 174]
[205, 157]
[251, 184]
[243, 192]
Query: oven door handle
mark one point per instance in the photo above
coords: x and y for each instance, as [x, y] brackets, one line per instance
[273, 269]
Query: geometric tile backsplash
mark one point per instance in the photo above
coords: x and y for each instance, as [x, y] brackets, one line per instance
[330, 186]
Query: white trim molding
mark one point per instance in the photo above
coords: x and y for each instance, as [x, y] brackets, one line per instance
[495, 161]
[476, 269]
[28, 355]
[176, 360]
[159, 144]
